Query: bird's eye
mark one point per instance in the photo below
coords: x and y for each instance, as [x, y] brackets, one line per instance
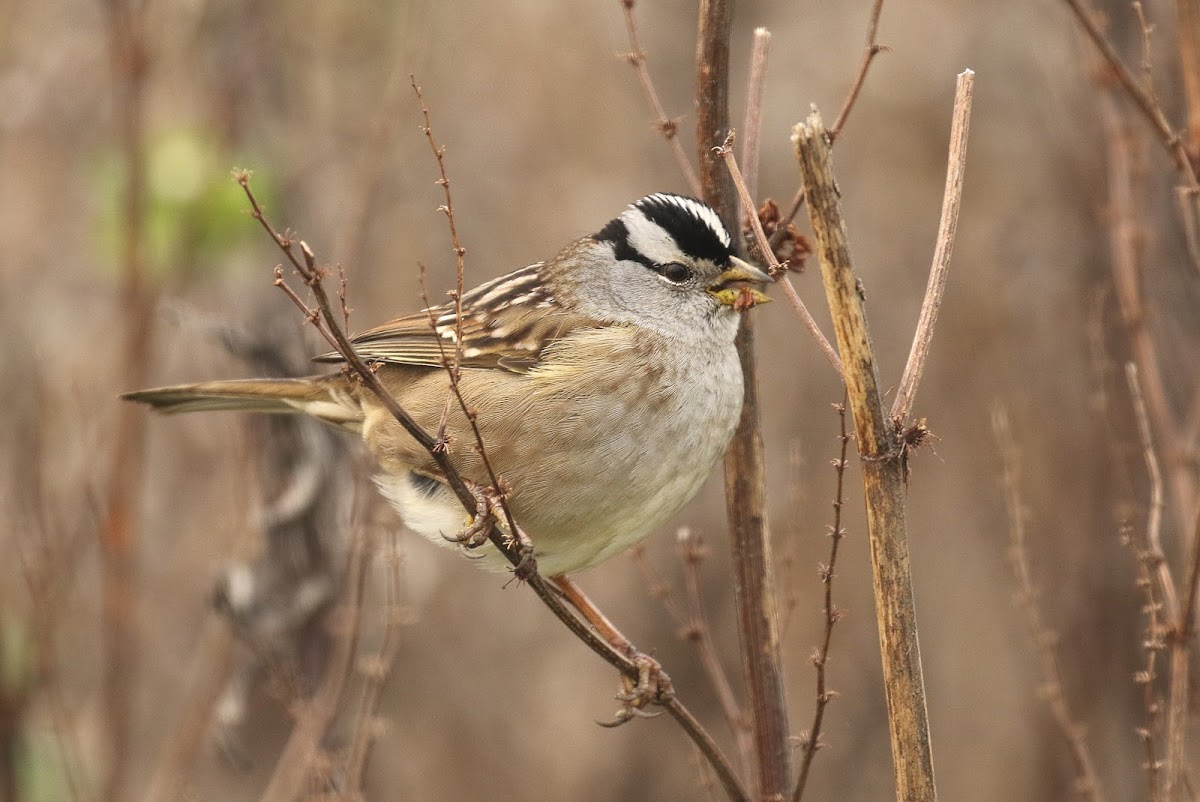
[675, 272]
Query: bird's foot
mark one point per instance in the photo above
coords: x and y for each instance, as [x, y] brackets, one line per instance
[652, 686]
[478, 526]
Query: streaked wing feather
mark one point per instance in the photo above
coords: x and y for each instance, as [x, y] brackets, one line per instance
[506, 324]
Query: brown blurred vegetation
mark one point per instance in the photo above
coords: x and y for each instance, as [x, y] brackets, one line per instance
[547, 137]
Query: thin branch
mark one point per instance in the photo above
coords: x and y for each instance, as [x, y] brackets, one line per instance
[726, 153]
[939, 271]
[745, 462]
[376, 670]
[872, 49]
[811, 742]
[1087, 784]
[882, 457]
[669, 128]
[1188, 12]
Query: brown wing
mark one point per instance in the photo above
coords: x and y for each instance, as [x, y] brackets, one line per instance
[506, 323]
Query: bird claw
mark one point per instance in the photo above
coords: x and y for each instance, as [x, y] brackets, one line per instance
[475, 534]
[653, 686]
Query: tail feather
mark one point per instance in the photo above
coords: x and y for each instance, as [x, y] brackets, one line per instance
[318, 397]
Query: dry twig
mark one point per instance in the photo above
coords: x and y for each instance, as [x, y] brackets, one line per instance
[1046, 641]
[940, 270]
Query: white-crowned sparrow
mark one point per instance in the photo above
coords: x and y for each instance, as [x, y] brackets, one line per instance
[606, 383]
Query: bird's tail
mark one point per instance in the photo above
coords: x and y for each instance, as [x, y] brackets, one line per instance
[324, 397]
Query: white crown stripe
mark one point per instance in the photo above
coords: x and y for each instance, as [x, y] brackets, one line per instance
[697, 210]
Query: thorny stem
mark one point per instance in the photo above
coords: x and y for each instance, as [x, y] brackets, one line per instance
[1147, 676]
[811, 742]
[1087, 783]
[1181, 620]
[453, 370]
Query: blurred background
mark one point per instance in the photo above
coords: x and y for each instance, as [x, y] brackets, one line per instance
[547, 137]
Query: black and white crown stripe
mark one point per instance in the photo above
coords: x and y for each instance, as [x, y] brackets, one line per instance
[654, 230]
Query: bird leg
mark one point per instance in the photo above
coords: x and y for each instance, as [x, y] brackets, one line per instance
[652, 684]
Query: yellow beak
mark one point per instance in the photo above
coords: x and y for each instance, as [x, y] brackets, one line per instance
[731, 288]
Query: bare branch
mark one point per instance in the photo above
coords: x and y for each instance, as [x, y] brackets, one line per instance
[692, 553]
[939, 271]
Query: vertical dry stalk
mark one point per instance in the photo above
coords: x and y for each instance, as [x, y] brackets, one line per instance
[745, 482]
[1086, 782]
[118, 530]
[956, 167]
[883, 474]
